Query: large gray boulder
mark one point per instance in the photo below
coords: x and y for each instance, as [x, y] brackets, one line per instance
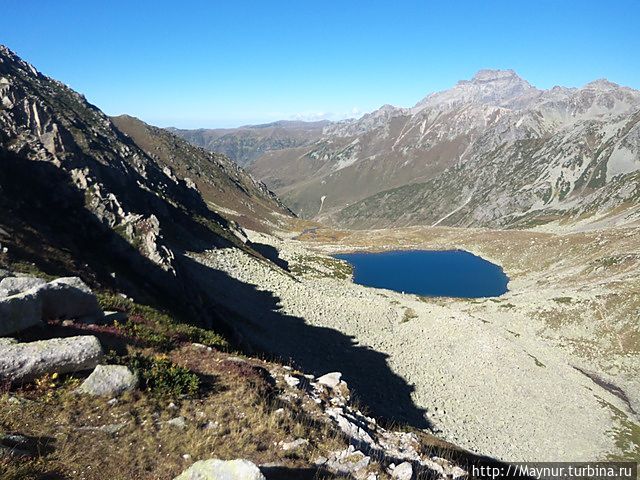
[23, 362]
[15, 285]
[19, 312]
[68, 297]
[109, 380]
[215, 469]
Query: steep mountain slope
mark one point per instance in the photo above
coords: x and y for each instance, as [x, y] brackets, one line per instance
[578, 174]
[488, 152]
[78, 195]
[245, 144]
[223, 184]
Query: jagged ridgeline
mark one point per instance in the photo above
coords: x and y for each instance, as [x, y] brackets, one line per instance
[117, 205]
[493, 151]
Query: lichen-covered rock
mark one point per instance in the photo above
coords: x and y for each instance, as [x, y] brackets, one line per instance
[19, 312]
[109, 380]
[68, 297]
[14, 285]
[23, 362]
[215, 469]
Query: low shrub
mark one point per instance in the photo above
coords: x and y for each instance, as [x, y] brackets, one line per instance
[161, 376]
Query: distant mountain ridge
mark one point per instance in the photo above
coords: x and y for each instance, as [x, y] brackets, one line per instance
[461, 157]
[246, 143]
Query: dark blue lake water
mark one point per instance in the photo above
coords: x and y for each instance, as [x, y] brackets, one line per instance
[452, 273]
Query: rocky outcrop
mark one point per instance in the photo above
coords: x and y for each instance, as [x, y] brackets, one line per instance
[23, 362]
[400, 452]
[215, 469]
[109, 380]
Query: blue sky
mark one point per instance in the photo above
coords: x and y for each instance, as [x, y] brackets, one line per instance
[227, 63]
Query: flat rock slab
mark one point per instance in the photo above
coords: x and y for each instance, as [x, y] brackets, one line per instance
[24, 362]
[215, 469]
[109, 380]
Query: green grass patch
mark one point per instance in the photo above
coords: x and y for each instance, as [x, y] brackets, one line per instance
[157, 328]
[563, 300]
[317, 266]
[409, 314]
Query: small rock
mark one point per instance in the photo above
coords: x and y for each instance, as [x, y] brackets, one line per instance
[330, 380]
[211, 425]
[404, 471]
[109, 380]
[111, 317]
[215, 469]
[178, 422]
[297, 443]
[291, 381]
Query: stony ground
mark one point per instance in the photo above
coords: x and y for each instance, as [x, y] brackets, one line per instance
[546, 372]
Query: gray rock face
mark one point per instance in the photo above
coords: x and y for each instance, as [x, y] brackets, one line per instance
[68, 297]
[215, 469]
[23, 362]
[19, 312]
[14, 285]
[109, 380]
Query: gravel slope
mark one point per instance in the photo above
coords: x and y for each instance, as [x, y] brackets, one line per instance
[479, 372]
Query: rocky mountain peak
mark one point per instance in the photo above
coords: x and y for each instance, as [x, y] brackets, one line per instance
[9, 61]
[498, 88]
[602, 84]
[489, 75]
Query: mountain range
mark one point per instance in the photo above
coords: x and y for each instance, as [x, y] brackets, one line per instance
[493, 151]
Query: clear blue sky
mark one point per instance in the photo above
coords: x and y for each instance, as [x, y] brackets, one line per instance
[225, 63]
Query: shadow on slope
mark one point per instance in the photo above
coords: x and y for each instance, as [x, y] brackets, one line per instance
[313, 349]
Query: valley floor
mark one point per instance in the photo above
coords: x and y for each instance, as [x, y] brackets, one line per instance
[548, 371]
